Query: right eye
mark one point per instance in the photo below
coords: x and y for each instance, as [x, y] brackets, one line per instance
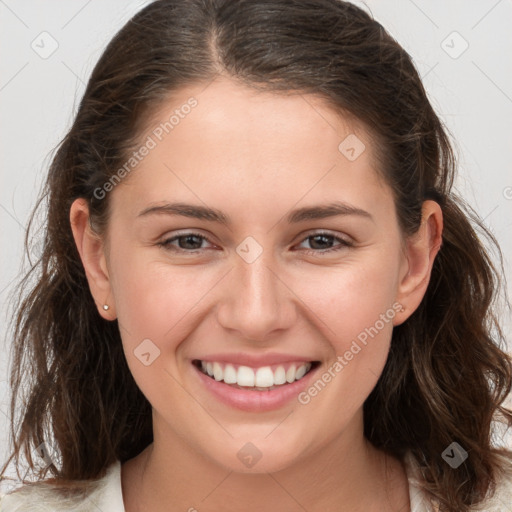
[185, 240]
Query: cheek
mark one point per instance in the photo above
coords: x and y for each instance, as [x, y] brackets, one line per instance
[355, 307]
[350, 299]
[152, 298]
[154, 301]
[155, 304]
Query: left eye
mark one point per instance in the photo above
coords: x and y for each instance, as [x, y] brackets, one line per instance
[324, 239]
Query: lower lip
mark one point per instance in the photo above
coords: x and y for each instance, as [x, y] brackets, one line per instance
[254, 400]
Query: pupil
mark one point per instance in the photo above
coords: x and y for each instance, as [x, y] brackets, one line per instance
[324, 237]
[188, 238]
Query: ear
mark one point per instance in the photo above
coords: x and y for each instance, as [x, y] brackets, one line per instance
[421, 250]
[91, 248]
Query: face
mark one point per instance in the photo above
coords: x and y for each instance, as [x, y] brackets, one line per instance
[263, 284]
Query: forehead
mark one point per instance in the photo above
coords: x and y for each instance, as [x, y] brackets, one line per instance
[224, 141]
[226, 108]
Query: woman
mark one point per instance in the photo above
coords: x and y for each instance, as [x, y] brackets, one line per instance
[258, 290]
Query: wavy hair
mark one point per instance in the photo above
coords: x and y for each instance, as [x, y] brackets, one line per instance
[447, 374]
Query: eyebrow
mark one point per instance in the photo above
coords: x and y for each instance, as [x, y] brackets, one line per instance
[293, 217]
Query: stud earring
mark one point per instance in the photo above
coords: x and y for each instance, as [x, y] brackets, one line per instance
[106, 307]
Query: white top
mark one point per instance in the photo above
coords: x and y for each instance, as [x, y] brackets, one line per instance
[107, 496]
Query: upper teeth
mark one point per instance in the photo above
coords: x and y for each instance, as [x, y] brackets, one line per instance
[263, 377]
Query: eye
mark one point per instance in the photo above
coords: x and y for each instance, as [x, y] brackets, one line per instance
[322, 241]
[187, 242]
[191, 243]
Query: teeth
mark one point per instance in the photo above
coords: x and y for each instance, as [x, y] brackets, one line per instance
[230, 374]
[301, 371]
[261, 378]
[218, 374]
[264, 377]
[245, 376]
[279, 376]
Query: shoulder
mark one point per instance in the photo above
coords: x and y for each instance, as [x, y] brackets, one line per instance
[498, 499]
[102, 494]
[501, 498]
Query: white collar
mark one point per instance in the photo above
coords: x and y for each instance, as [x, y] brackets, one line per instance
[112, 497]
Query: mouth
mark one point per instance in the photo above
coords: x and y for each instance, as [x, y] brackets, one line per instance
[264, 378]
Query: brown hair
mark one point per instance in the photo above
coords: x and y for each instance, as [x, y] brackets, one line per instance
[446, 376]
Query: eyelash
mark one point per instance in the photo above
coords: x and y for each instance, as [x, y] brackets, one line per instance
[166, 244]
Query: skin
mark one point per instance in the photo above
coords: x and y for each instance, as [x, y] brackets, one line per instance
[256, 156]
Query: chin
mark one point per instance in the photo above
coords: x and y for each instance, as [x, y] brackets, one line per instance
[256, 457]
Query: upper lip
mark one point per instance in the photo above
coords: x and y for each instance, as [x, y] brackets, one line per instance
[255, 361]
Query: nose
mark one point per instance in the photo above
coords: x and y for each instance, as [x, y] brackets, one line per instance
[257, 303]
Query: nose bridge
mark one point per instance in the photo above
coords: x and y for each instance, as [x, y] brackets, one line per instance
[256, 302]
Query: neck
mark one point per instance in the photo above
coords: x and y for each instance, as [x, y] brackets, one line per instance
[347, 473]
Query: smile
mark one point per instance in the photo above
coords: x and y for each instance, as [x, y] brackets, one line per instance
[264, 378]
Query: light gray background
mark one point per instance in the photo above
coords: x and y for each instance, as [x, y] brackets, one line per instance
[472, 92]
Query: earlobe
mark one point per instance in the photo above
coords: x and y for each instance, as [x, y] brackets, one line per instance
[421, 251]
[91, 248]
